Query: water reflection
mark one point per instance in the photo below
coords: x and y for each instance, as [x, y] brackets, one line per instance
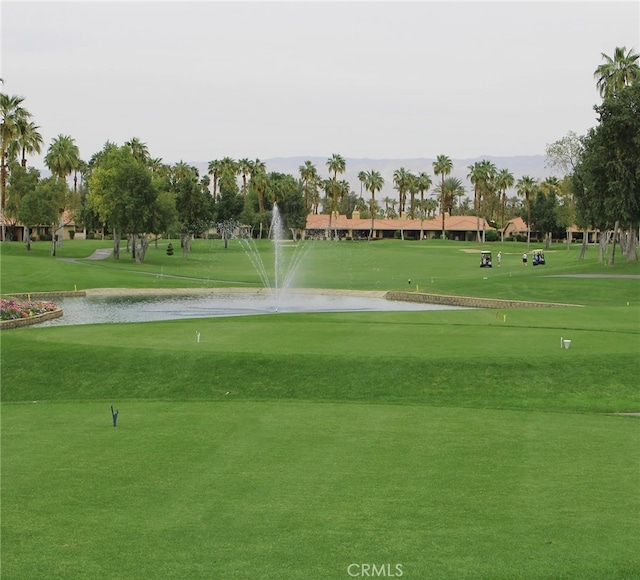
[106, 309]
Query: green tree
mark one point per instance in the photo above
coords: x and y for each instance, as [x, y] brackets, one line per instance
[42, 205]
[12, 114]
[544, 212]
[22, 182]
[442, 166]
[504, 181]
[525, 186]
[423, 183]
[194, 211]
[607, 177]
[28, 139]
[617, 72]
[336, 164]
[402, 181]
[139, 150]
[124, 195]
[309, 176]
[374, 182]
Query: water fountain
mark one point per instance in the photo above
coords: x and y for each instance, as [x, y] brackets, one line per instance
[285, 264]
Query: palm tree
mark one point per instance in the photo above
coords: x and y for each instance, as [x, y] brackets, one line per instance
[12, 114]
[362, 178]
[423, 183]
[139, 150]
[442, 166]
[374, 182]
[401, 181]
[309, 176]
[488, 192]
[63, 156]
[336, 164]
[504, 181]
[214, 170]
[28, 140]
[525, 187]
[244, 167]
[259, 182]
[615, 73]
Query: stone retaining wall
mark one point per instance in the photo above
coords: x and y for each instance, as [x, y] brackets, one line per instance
[47, 295]
[469, 301]
[36, 319]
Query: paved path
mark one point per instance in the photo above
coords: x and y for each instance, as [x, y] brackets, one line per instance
[101, 254]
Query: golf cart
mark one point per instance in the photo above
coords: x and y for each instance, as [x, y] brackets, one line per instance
[485, 259]
[538, 258]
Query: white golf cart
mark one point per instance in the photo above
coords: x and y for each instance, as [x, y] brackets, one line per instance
[537, 258]
[485, 259]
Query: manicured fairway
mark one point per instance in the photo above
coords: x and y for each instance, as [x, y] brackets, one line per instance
[299, 490]
[438, 445]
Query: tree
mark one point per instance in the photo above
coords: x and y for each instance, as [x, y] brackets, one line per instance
[402, 180]
[564, 153]
[504, 181]
[28, 139]
[309, 176]
[336, 164]
[374, 182]
[22, 182]
[139, 150]
[244, 167]
[12, 115]
[544, 207]
[617, 72]
[42, 205]
[525, 187]
[482, 175]
[442, 166]
[124, 195]
[607, 177]
[423, 183]
[194, 211]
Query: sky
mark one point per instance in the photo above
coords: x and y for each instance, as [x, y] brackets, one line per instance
[198, 81]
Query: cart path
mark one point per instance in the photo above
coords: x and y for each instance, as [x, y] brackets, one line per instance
[100, 254]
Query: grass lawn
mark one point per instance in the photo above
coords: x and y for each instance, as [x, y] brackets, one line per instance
[455, 444]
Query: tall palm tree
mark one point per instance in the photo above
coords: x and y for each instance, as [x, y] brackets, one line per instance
[374, 182]
[63, 156]
[488, 193]
[336, 164]
[12, 113]
[504, 181]
[28, 140]
[525, 187]
[401, 181]
[362, 178]
[214, 170]
[423, 183]
[615, 73]
[139, 150]
[258, 181]
[309, 176]
[442, 166]
[244, 167]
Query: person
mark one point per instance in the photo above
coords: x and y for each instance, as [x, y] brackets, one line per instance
[114, 416]
[499, 256]
[524, 259]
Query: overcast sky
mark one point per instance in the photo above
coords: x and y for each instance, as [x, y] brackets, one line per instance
[198, 81]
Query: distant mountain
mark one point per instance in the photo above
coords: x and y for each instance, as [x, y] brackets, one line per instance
[532, 165]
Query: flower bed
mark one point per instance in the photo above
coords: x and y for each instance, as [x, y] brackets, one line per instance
[19, 309]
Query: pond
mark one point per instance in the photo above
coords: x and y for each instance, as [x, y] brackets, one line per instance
[108, 309]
